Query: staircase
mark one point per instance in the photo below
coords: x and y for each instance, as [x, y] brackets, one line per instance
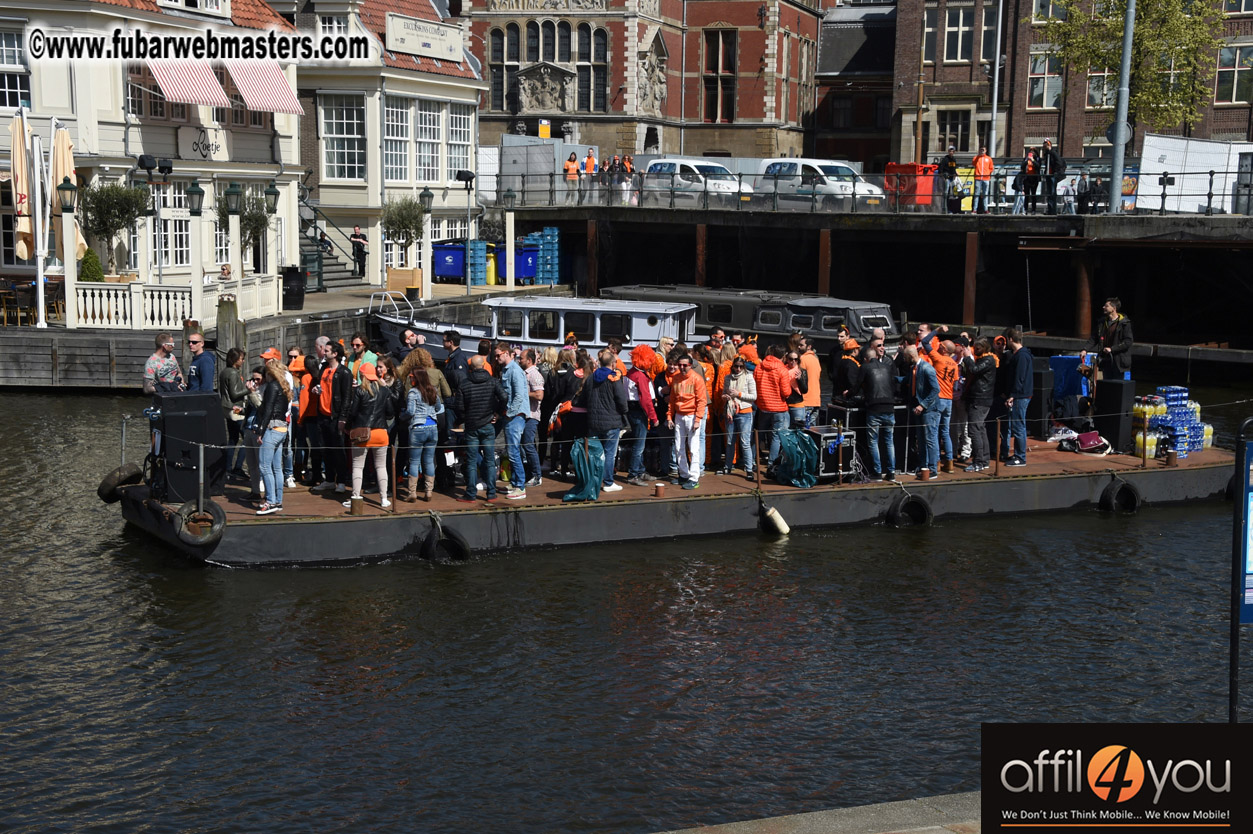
[336, 274]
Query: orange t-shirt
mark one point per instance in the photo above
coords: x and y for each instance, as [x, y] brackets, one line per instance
[324, 404]
[813, 371]
[571, 169]
[945, 372]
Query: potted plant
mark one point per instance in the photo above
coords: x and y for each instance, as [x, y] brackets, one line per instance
[402, 225]
[90, 269]
[108, 210]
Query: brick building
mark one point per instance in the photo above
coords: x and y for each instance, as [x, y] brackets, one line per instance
[700, 77]
[854, 116]
[1039, 98]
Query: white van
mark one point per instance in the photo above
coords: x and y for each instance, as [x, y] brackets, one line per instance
[690, 182]
[822, 184]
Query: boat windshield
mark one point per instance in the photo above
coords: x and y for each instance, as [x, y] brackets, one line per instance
[874, 320]
[715, 172]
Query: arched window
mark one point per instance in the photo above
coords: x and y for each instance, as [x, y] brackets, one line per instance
[532, 41]
[511, 42]
[550, 41]
[563, 42]
[502, 60]
[593, 69]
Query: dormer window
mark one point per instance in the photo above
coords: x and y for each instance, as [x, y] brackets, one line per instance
[219, 7]
[330, 25]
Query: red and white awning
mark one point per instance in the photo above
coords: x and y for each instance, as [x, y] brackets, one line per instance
[264, 87]
[189, 82]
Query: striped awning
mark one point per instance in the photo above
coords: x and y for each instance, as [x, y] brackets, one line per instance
[189, 82]
[264, 87]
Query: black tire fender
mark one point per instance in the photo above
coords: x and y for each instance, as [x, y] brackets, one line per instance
[453, 544]
[1119, 496]
[200, 529]
[907, 509]
[125, 475]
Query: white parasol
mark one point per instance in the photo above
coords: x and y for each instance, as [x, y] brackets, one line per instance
[63, 166]
[19, 143]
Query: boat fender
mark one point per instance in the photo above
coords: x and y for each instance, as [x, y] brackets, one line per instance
[907, 509]
[125, 475]
[200, 529]
[773, 522]
[1120, 496]
[453, 544]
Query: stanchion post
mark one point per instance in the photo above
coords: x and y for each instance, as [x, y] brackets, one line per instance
[757, 456]
[199, 473]
[996, 468]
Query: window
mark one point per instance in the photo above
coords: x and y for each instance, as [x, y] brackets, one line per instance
[1238, 6]
[503, 65]
[582, 325]
[550, 41]
[802, 322]
[508, 323]
[1169, 74]
[563, 42]
[592, 69]
[841, 113]
[883, 112]
[396, 138]
[1235, 74]
[615, 326]
[135, 93]
[953, 129]
[532, 41]
[332, 24]
[770, 318]
[221, 244]
[1044, 80]
[430, 132]
[929, 19]
[202, 5]
[720, 313]
[542, 325]
[1046, 9]
[343, 137]
[987, 50]
[832, 322]
[169, 235]
[460, 134]
[238, 114]
[959, 34]
[719, 77]
[395, 255]
[1102, 87]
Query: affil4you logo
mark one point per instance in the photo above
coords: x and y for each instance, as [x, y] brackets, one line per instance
[1114, 774]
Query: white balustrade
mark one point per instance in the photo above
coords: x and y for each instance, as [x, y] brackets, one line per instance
[138, 306]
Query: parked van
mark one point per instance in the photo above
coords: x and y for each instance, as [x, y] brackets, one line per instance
[690, 182]
[822, 184]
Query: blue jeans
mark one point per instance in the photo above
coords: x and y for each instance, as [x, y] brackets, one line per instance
[422, 442]
[881, 425]
[981, 195]
[740, 429]
[798, 417]
[770, 423]
[929, 441]
[639, 433]
[609, 440]
[946, 419]
[1018, 426]
[481, 457]
[530, 448]
[513, 448]
[271, 458]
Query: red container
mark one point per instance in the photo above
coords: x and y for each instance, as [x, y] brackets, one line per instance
[909, 183]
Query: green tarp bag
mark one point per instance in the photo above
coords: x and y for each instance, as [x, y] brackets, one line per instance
[588, 458]
[798, 459]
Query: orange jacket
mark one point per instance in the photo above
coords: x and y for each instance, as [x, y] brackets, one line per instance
[774, 384]
[688, 396]
[589, 164]
[984, 167]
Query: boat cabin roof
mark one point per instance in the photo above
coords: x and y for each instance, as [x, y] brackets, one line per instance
[825, 303]
[590, 305]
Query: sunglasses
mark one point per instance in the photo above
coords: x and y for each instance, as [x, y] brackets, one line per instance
[685, 365]
[195, 341]
[258, 379]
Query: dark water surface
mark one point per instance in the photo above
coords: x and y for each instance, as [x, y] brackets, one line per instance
[622, 688]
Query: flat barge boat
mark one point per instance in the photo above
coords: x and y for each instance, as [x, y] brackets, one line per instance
[314, 529]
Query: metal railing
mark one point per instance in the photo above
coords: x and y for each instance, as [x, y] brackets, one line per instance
[1154, 191]
[311, 231]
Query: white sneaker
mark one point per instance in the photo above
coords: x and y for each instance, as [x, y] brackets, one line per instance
[348, 503]
[291, 483]
[612, 488]
[323, 487]
[386, 503]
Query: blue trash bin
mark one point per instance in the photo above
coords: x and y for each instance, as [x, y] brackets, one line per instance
[449, 260]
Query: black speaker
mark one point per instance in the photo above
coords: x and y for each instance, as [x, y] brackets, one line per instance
[185, 420]
[1040, 409]
[1114, 401]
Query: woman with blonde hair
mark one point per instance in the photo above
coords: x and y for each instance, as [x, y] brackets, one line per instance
[372, 407]
[273, 421]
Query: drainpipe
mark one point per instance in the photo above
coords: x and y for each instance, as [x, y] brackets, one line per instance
[682, 84]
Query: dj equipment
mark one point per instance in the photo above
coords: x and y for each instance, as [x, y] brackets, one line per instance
[1114, 401]
[1040, 409]
[180, 422]
[835, 451]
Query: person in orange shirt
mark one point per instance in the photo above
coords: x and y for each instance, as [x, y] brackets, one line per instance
[689, 406]
[812, 366]
[946, 372]
[571, 170]
[589, 176]
[983, 165]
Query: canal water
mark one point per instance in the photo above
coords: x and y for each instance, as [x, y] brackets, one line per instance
[620, 688]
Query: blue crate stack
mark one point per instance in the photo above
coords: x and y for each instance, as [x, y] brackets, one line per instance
[1182, 421]
[548, 266]
[477, 264]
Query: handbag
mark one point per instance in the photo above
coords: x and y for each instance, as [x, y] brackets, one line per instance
[359, 435]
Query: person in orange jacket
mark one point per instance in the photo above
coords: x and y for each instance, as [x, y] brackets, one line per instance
[984, 166]
[688, 410]
[774, 385]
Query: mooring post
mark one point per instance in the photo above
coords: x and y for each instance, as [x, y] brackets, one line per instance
[1083, 295]
[996, 466]
[200, 478]
[593, 260]
[702, 237]
[968, 280]
[824, 262]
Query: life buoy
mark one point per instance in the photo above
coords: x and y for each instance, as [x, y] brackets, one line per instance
[444, 542]
[906, 510]
[200, 529]
[1120, 496]
[125, 475]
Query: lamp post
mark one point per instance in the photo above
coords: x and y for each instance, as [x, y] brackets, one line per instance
[195, 208]
[510, 199]
[426, 199]
[67, 194]
[272, 252]
[468, 178]
[234, 197]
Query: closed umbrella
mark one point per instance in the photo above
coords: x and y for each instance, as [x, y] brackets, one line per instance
[63, 166]
[19, 165]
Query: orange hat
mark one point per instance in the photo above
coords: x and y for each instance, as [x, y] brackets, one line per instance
[749, 352]
[297, 365]
[851, 344]
[369, 372]
[271, 353]
[642, 358]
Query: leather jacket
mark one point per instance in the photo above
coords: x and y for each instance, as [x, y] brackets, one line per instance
[273, 406]
[371, 411]
[877, 385]
[980, 378]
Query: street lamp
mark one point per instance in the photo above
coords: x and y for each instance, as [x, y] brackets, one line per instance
[67, 192]
[195, 199]
[426, 199]
[271, 198]
[510, 198]
[468, 178]
[234, 196]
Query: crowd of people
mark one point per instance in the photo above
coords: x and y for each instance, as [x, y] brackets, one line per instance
[1040, 172]
[587, 179]
[675, 412]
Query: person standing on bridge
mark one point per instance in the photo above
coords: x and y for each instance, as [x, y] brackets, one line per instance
[983, 166]
[589, 176]
[1111, 342]
[571, 169]
[1052, 169]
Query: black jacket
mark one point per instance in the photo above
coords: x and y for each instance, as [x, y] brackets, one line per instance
[371, 411]
[980, 379]
[455, 368]
[341, 392]
[273, 405]
[1117, 337]
[877, 386]
[1021, 381]
[1051, 164]
[478, 399]
[606, 404]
